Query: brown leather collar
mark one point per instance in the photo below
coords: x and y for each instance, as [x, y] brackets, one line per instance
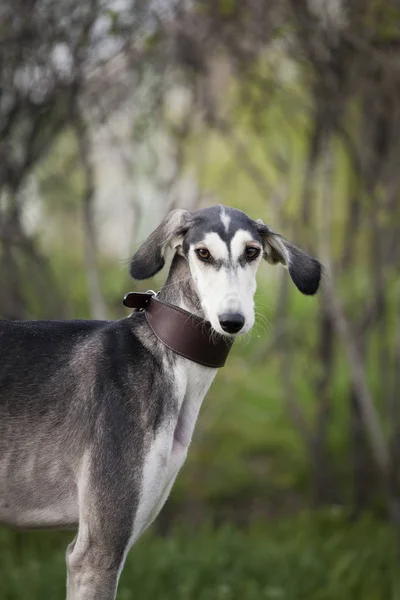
[182, 331]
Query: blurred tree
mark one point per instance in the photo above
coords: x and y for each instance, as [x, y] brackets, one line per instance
[48, 50]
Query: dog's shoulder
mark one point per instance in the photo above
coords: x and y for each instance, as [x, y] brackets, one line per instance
[122, 344]
[32, 350]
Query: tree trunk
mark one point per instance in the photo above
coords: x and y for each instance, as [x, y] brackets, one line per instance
[97, 302]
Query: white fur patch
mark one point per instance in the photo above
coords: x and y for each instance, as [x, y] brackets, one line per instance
[158, 469]
[217, 247]
[225, 219]
[169, 449]
[238, 243]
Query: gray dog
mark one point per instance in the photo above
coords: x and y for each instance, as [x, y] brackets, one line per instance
[96, 417]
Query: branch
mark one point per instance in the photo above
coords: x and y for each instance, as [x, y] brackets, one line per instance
[369, 413]
[96, 298]
[242, 153]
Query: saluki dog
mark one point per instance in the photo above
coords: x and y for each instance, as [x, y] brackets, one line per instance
[96, 417]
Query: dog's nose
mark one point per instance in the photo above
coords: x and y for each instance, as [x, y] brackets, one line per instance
[231, 322]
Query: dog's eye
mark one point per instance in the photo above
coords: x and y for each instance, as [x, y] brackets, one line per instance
[252, 252]
[203, 254]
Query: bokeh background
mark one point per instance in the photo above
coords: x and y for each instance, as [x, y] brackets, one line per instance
[113, 112]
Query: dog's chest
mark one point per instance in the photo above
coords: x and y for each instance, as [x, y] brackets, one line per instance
[168, 449]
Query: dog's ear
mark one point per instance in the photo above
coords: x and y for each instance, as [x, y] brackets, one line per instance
[150, 258]
[304, 270]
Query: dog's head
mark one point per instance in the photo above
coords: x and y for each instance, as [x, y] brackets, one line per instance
[223, 248]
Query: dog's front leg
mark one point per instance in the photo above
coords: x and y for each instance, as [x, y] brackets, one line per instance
[94, 563]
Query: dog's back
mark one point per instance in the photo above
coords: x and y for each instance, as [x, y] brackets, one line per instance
[32, 352]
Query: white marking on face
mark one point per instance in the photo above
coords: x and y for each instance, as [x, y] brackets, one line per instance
[218, 248]
[229, 287]
[239, 243]
[225, 219]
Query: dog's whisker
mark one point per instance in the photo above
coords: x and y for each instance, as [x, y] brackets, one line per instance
[262, 319]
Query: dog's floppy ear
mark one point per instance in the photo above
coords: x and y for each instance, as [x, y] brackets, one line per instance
[304, 270]
[150, 258]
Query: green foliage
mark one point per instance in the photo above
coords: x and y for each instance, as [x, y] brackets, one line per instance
[323, 557]
[381, 20]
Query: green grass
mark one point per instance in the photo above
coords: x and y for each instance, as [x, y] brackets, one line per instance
[318, 557]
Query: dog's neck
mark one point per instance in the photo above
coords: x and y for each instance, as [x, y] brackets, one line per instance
[179, 288]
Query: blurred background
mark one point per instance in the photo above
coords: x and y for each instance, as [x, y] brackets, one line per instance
[112, 113]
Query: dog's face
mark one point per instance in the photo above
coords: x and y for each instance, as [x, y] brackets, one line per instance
[223, 248]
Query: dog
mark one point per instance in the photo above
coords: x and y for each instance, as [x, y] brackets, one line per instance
[96, 417]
